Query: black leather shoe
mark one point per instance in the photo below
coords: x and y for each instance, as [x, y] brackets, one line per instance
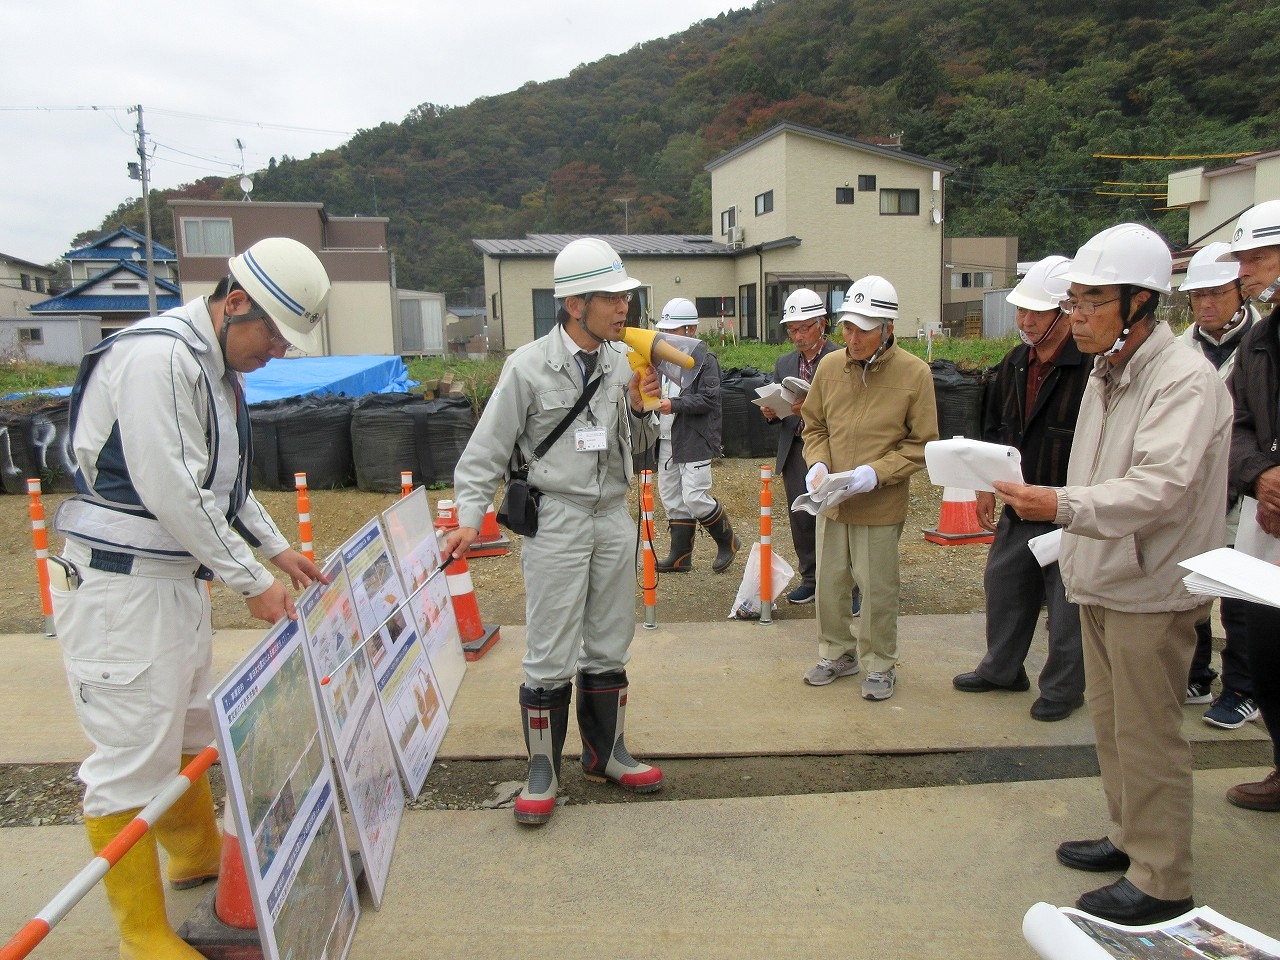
[1122, 902]
[973, 683]
[1051, 710]
[1096, 856]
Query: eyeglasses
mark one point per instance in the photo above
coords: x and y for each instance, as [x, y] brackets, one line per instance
[1209, 294]
[273, 334]
[795, 328]
[612, 297]
[1086, 308]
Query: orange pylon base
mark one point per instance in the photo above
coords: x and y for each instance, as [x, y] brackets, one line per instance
[958, 524]
[957, 539]
[475, 649]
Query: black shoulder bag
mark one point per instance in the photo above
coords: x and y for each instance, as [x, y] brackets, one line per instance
[519, 509]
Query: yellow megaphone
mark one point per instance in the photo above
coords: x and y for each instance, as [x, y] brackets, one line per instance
[670, 353]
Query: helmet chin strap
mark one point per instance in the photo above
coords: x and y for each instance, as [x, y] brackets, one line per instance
[582, 322]
[1044, 336]
[1266, 295]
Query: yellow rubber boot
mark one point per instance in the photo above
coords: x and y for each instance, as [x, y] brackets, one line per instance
[189, 833]
[136, 894]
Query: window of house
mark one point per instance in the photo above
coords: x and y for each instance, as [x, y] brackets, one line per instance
[844, 194]
[26, 280]
[867, 182]
[899, 203]
[40, 287]
[126, 285]
[764, 202]
[33, 335]
[207, 237]
[714, 306]
[728, 220]
[978, 278]
[544, 312]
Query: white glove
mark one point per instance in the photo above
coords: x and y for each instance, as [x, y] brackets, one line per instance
[863, 479]
[815, 477]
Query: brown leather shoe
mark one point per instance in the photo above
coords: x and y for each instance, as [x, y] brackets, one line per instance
[1264, 795]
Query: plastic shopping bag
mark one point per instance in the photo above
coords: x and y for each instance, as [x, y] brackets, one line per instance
[746, 606]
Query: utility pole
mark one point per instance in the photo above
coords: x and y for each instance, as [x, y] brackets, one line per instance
[146, 213]
[626, 212]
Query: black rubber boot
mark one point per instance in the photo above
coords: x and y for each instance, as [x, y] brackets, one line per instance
[545, 714]
[716, 523]
[680, 559]
[602, 708]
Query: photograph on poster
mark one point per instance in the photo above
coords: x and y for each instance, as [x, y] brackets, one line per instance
[282, 796]
[417, 551]
[375, 583]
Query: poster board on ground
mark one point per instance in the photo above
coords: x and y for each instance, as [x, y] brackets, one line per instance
[366, 761]
[412, 536]
[277, 769]
[412, 704]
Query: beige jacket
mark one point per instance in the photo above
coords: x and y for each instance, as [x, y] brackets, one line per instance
[882, 418]
[1147, 482]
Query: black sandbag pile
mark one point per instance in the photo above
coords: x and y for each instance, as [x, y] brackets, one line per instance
[396, 432]
[310, 435]
[744, 430]
[959, 394]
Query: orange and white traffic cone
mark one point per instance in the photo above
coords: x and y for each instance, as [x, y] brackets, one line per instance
[958, 523]
[491, 542]
[233, 903]
[477, 636]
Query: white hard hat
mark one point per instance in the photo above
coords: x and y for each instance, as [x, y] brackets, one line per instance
[287, 280]
[1044, 287]
[677, 314]
[1124, 254]
[590, 265]
[1208, 268]
[871, 302]
[803, 304]
[1259, 226]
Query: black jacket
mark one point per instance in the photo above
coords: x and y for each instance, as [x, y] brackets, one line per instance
[1253, 386]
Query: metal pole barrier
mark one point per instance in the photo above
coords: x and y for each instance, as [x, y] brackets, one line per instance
[406, 482]
[650, 579]
[40, 537]
[766, 545]
[36, 929]
[304, 518]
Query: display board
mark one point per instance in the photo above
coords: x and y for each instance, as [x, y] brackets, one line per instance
[277, 770]
[412, 536]
[413, 706]
[366, 761]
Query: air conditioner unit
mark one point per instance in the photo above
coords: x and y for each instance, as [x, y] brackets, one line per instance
[736, 235]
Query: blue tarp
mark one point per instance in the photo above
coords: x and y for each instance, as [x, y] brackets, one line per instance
[303, 376]
[350, 376]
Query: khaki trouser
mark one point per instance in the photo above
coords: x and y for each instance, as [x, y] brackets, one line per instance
[868, 556]
[1135, 680]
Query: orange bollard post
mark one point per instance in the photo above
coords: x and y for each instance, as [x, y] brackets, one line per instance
[650, 562]
[305, 546]
[406, 482]
[766, 545]
[40, 537]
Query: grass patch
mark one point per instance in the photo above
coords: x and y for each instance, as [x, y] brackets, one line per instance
[22, 376]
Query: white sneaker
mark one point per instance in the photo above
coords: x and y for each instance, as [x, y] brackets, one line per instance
[827, 670]
[878, 686]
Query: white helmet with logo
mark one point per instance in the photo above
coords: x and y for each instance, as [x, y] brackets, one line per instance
[1044, 287]
[803, 304]
[590, 265]
[871, 302]
[678, 314]
[1208, 269]
[1259, 226]
[286, 279]
[1127, 253]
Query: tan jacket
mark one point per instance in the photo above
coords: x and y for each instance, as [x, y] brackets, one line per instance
[1147, 482]
[882, 419]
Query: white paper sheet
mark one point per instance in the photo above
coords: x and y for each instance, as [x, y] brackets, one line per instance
[1251, 539]
[775, 397]
[1046, 547]
[1229, 573]
[971, 464]
[829, 493]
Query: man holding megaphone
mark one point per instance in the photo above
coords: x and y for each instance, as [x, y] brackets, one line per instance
[579, 566]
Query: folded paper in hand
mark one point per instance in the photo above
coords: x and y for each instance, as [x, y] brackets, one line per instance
[971, 464]
[1046, 547]
[830, 492]
[1229, 573]
[776, 398]
[797, 386]
[1251, 539]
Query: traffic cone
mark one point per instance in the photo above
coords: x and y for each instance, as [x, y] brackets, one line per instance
[958, 523]
[446, 516]
[477, 636]
[233, 903]
[491, 542]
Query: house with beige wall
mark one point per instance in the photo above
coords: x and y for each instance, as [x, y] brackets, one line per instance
[23, 283]
[1215, 198]
[793, 207]
[970, 267]
[363, 315]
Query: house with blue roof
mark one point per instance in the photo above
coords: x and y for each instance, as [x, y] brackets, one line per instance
[109, 281]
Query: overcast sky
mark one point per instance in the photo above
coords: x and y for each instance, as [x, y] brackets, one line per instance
[282, 76]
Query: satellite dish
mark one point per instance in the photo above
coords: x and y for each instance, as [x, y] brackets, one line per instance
[936, 216]
[246, 184]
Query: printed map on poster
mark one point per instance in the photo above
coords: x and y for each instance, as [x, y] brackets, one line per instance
[366, 761]
[277, 771]
[417, 552]
[412, 704]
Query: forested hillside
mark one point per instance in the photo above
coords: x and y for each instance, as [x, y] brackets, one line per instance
[1020, 94]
